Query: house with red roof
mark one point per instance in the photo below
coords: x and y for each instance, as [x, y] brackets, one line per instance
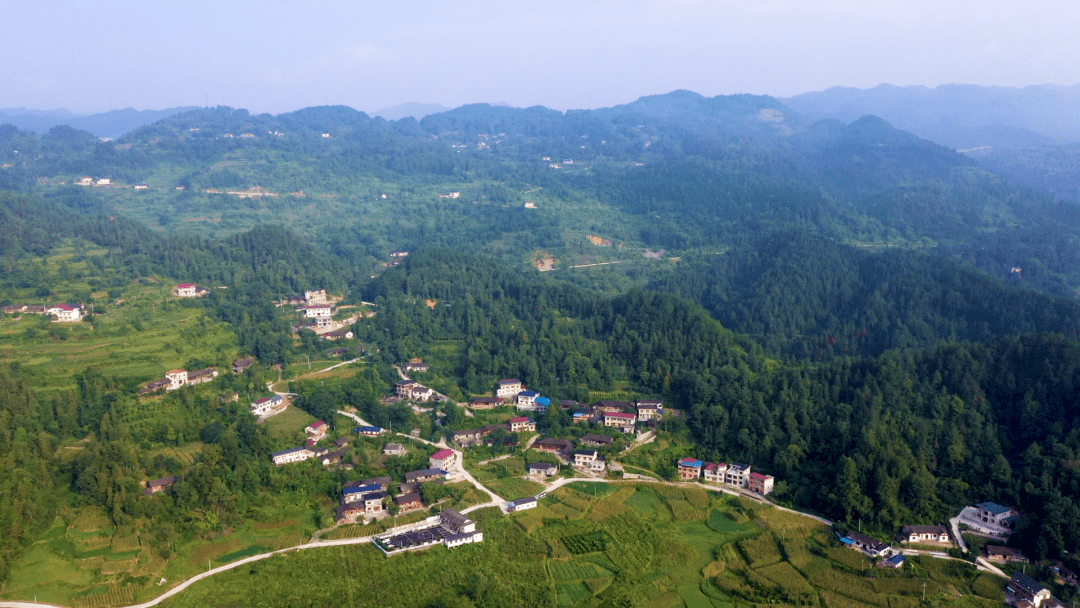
[619, 419]
[522, 424]
[762, 484]
[317, 430]
[443, 459]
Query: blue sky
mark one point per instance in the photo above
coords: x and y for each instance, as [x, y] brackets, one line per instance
[276, 56]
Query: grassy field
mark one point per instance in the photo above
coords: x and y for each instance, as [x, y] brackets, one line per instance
[83, 562]
[140, 336]
[586, 545]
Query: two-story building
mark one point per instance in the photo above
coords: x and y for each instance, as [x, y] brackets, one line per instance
[522, 424]
[1025, 588]
[525, 399]
[649, 410]
[407, 503]
[714, 472]
[186, 290]
[416, 366]
[316, 296]
[263, 406]
[619, 420]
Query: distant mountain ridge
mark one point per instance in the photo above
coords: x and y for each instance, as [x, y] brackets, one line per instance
[114, 123]
[412, 109]
[957, 115]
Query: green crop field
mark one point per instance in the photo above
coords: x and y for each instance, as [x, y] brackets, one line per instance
[139, 336]
[627, 558]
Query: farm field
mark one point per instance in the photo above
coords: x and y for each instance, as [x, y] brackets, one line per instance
[84, 562]
[137, 336]
[614, 547]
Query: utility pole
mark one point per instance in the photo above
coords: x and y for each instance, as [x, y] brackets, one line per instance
[924, 591]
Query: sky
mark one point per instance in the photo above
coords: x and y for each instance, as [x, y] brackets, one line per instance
[277, 56]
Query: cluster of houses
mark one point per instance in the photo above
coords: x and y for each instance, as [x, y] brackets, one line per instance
[365, 498]
[396, 257]
[178, 378]
[734, 474]
[61, 313]
[411, 390]
[471, 437]
[190, 290]
[316, 432]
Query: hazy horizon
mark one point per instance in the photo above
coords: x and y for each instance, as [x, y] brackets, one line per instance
[270, 57]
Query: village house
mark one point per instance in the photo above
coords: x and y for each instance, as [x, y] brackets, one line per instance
[541, 405]
[542, 469]
[924, 534]
[334, 457]
[357, 493]
[202, 375]
[417, 366]
[407, 503]
[425, 475]
[596, 440]
[1024, 588]
[463, 530]
[317, 430]
[488, 429]
[996, 516]
[337, 334]
[177, 378]
[348, 513]
[525, 399]
[404, 388]
[337, 352]
[65, 313]
[509, 389]
[371, 431]
[714, 472]
[373, 503]
[521, 504]
[318, 311]
[317, 296]
[553, 445]
[584, 415]
[154, 386]
[737, 475]
[867, 545]
[619, 420]
[382, 482]
[518, 425]
[159, 485]
[896, 561]
[241, 364]
[1003, 555]
[484, 403]
[341, 442]
[589, 460]
[83, 181]
[394, 449]
[400, 253]
[689, 468]
[293, 455]
[646, 413]
[443, 459]
[141, 186]
[762, 484]
[612, 407]
[467, 437]
[267, 404]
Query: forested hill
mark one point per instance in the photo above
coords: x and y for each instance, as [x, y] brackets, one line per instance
[802, 295]
[679, 171]
[908, 436]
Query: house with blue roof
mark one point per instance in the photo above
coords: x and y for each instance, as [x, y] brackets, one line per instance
[349, 495]
[689, 468]
[993, 515]
[541, 404]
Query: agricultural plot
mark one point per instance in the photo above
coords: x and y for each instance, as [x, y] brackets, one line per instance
[514, 487]
[574, 560]
[138, 339]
